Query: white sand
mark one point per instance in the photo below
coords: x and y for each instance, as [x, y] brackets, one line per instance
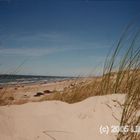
[55, 120]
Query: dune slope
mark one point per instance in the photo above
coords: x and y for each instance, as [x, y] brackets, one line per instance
[55, 120]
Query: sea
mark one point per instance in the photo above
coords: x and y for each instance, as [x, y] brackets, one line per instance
[29, 79]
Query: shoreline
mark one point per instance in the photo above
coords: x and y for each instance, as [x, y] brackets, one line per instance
[23, 93]
[26, 82]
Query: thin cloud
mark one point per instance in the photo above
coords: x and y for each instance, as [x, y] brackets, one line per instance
[38, 44]
[27, 51]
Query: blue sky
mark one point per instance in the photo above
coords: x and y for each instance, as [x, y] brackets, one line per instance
[60, 37]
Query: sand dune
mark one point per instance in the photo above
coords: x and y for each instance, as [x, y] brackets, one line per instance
[55, 120]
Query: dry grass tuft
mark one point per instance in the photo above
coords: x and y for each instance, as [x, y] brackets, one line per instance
[79, 90]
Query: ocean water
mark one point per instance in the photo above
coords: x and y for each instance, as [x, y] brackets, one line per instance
[26, 79]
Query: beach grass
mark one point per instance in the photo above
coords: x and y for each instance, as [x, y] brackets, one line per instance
[125, 63]
[78, 90]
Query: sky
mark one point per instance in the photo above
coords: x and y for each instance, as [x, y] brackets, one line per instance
[60, 37]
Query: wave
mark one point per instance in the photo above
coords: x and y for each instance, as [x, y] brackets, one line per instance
[26, 79]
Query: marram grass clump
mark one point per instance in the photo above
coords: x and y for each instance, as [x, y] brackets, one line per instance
[125, 63]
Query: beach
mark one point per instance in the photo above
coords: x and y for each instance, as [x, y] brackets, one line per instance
[23, 93]
[27, 117]
[56, 120]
